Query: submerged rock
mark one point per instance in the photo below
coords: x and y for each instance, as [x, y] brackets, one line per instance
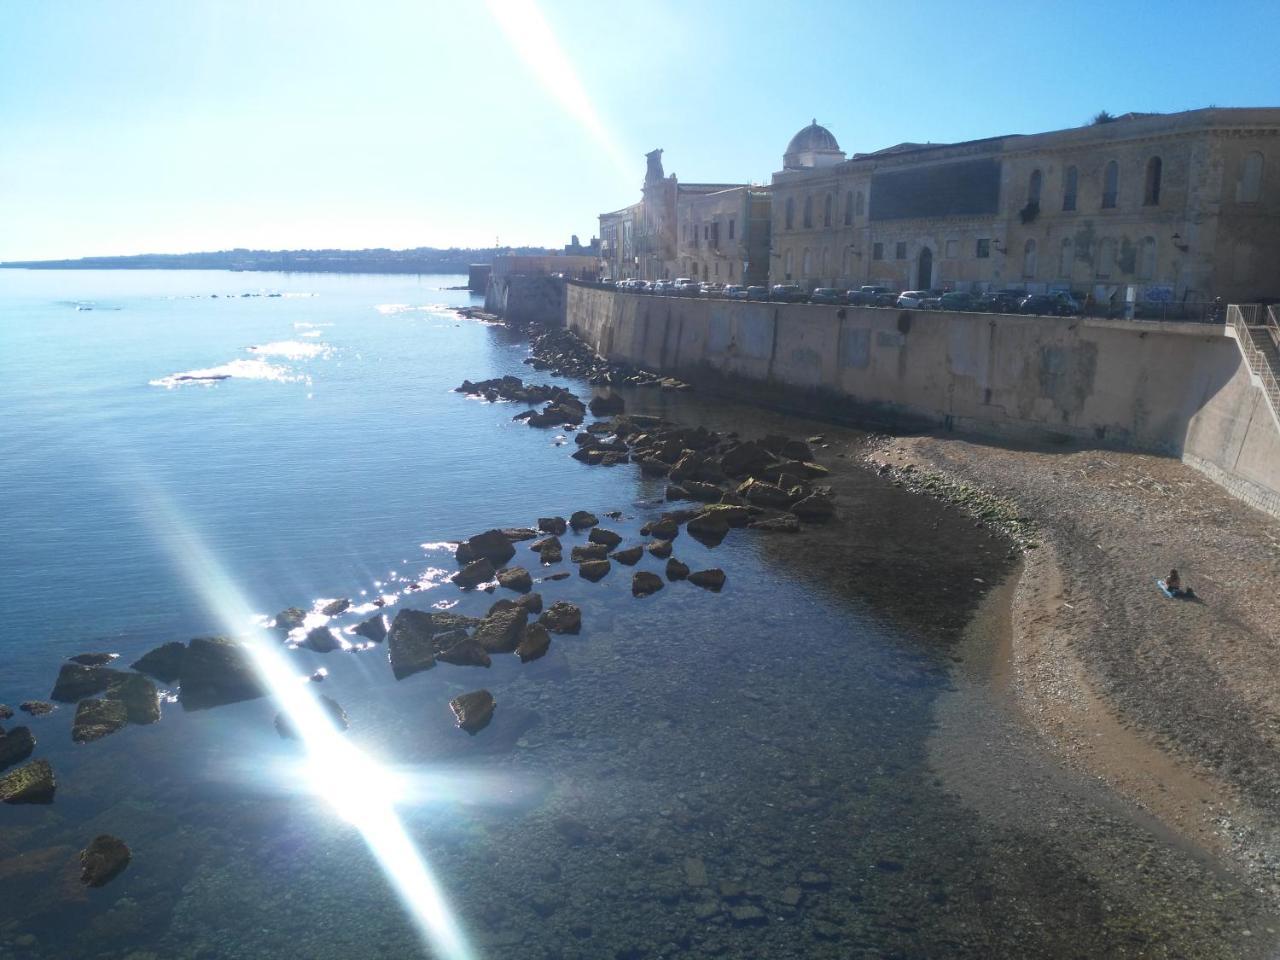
[93, 659]
[375, 628]
[516, 578]
[37, 708]
[33, 783]
[645, 583]
[708, 528]
[96, 719]
[581, 519]
[474, 710]
[500, 631]
[321, 640]
[410, 645]
[534, 643]
[553, 525]
[492, 544]
[164, 662]
[75, 682]
[593, 570]
[103, 860]
[332, 709]
[562, 617]
[465, 653]
[475, 573]
[517, 534]
[676, 570]
[139, 695]
[712, 579]
[217, 671]
[15, 746]
[335, 607]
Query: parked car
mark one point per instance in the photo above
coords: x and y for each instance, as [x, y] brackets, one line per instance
[912, 299]
[1050, 304]
[663, 288]
[870, 296]
[757, 293]
[787, 293]
[956, 300]
[686, 287]
[711, 288]
[734, 291]
[828, 295]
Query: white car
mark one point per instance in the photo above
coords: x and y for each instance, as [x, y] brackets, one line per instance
[734, 291]
[913, 299]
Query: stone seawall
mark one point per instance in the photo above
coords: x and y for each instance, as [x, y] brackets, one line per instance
[1175, 389]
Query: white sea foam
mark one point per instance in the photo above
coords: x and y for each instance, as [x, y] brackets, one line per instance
[305, 325]
[235, 370]
[290, 349]
[310, 333]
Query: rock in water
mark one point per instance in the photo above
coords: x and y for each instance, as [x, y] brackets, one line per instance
[473, 711]
[745, 458]
[75, 682]
[580, 520]
[5, 712]
[287, 619]
[562, 617]
[645, 583]
[665, 528]
[500, 631]
[589, 551]
[333, 710]
[606, 405]
[33, 783]
[37, 708]
[409, 643]
[375, 628]
[712, 579]
[546, 543]
[96, 719]
[593, 570]
[335, 607]
[164, 662]
[816, 506]
[630, 556]
[465, 653]
[15, 746]
[531, 602]
[93, 659]
[676, 570]
[552, 525]
[321, 640]
[786, 524]
[534, 643]
[139, 695]
[708, 528]
[103, 860]
[492, 544]
[516, 534]
[606, 537]
[660, 548]
[516, 578]
[216, 671]
[474, 573]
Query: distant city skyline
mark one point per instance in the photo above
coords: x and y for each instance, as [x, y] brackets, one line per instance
[147, 127]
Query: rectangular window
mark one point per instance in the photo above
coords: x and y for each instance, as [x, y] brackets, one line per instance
[877, 251]
[984, 249]
[731, 228]
[900, 251]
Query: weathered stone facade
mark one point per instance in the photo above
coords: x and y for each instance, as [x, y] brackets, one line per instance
[1173, 207]
[724, 236]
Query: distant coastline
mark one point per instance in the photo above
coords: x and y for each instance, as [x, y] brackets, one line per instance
[454, 260]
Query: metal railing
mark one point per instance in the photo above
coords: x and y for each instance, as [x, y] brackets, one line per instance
[1244, 318]
[1185, 311]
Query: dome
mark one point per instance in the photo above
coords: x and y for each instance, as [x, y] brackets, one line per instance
[813, 137]
[814, 146]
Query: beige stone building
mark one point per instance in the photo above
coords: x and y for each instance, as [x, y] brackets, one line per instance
[724, 236]
[1182, 207]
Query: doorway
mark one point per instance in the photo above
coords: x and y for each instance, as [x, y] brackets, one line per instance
[924, 275]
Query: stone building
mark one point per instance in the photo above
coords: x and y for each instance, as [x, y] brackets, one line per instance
[724, 236]
[1181, 206]
[641, 240]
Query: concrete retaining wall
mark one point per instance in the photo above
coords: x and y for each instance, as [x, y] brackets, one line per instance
[522, 300]
[1176, 389]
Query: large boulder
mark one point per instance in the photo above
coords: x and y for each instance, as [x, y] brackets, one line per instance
[93, 659]
[786, 448]
[475, 573]
[287, 619]
[532, 602]
[534, 643]
[589, 551]
[708, 528]
[660, 548]
[784, 524]
[552, 525]
[745, 458]
[164, 662]
[630, 556]
[15, 746]
[706, 492]
[139, 695]
[474, 710]
[764, 494]
[5, 711]
[581, 519]
[676, 570]
[103, 860]
[593, 570]
[552, 542]
[606, 405]
[465, 653]
[216, 671]
[410, 645]
[500, 631]
[517, 534]
[75, 682]
[373, 629]
[735, 515]
[332, 709]
[32, 783]
[562, 617]
[644, 583]
[816, 506]
[321, 640]
[516, 578]
[607, 537]
[96, 719]
[335, 607]
[492, 544]
[712, 579]
[37, 708]
[665, 528]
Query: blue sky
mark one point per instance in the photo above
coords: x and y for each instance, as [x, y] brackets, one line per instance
[131, 126]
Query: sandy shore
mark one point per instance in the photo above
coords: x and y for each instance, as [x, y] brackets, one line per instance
[1175, 704]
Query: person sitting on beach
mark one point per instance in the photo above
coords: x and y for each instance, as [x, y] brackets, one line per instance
[1173, 583]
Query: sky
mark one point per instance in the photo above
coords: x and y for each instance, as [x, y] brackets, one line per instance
[154, 126]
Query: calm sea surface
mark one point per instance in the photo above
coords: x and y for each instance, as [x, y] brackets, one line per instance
[738, 774]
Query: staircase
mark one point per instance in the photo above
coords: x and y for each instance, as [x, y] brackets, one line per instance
[1258, 334]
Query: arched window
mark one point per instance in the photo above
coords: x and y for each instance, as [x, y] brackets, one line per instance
[826, 211]
[1147, 259]
[1110, 185]
[1033, 188]
[1106, 263]
[1151, 192]
[1029, 260]
[848, 208]
[1249, 190]
[790, 263]
[791, 212]
[859, 205]
[807, 262]
[1069, 182]
[1066, 258]
[808, 211]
